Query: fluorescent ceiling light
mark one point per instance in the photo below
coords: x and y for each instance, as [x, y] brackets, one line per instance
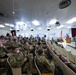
[24, 27]
[13, 12]
[2, 26]
[71, 20]
[20, 23]
[17, 27]
[11, 29]
[61, 26]
[68, 27]
[31, 28]
[39, 28]
[36, 23]
[11, 25]
[7, 24]
[47, 28]
[53, 21]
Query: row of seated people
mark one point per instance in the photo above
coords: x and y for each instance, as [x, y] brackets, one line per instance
[65, 56]
[19, 53]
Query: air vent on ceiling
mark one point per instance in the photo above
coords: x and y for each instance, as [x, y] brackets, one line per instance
[2, 15]
[64, 3]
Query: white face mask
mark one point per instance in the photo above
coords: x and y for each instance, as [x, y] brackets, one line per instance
[18, 51]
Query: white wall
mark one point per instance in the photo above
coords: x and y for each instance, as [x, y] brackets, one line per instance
[4, 32]
[52, 33]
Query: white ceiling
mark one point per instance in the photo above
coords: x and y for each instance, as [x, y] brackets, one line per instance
[41, 10]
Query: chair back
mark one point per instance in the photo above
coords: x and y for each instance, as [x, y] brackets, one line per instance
[47, 74]
[70, 57]
[39, 71]
[15, 71]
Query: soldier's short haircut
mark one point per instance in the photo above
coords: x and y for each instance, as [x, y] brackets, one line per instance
[40, 52]
[9, 47]
[14, 47]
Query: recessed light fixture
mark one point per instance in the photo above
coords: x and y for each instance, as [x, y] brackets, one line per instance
[11, 25]
[7, 24]
[39, 28]
[68, 27]
[71, 20]
[20, 23]
[61, 26]
[13, 12]
[11, 29]
[53, 21]
[36, 23]
[2, 26]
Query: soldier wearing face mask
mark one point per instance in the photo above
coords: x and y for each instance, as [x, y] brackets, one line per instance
[18, 58]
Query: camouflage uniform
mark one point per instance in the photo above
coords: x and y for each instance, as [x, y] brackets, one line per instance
[4, 64]
[44, 64]
[8, 43]
[17, 60]
[2, 52]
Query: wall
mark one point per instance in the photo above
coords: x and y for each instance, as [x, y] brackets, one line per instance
[52, 33]
[4, 32]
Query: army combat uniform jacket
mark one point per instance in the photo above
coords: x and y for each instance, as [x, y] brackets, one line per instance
[44, 64]
[16, 60]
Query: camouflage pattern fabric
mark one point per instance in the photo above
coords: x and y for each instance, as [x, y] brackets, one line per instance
[2, 52]
[44, 64]
[16, 60]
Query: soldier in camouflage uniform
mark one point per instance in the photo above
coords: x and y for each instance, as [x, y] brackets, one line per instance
[3, 61]
[43, 63]
[18, 59]
[9, 42]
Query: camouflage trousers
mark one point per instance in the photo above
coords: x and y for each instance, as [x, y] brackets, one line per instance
[25, 67]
